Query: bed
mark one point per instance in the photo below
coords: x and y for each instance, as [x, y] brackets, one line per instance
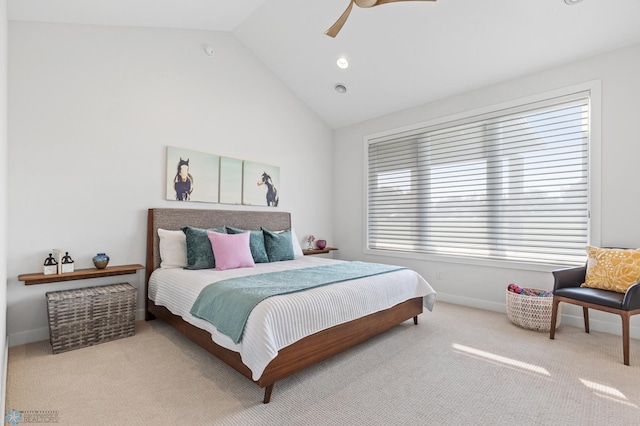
[281, 356]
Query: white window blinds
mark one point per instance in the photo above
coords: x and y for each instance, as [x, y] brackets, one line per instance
[509, 185]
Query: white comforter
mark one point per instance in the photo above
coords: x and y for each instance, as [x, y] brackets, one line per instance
[279, 321]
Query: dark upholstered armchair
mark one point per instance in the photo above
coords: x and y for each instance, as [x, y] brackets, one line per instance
[567, 289]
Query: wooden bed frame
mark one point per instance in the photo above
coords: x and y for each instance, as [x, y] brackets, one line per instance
[294, 357]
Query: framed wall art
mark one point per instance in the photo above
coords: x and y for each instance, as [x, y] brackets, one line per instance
[260, 184]
[192, 175]
[230, 180]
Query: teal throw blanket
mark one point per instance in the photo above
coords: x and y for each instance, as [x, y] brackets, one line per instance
[227, 304]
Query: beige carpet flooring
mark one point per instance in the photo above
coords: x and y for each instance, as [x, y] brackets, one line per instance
[458, 366]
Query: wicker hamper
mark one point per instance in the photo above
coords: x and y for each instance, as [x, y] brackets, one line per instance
[91, 315]
[531, 312]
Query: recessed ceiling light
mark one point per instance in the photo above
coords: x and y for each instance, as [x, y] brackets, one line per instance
[572, 2]
[342, 63]
[341, 88]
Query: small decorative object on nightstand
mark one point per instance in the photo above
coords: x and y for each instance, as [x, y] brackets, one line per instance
[67, 263]
[310, 240]
[101, 260]
[50, 265]
[321, 244]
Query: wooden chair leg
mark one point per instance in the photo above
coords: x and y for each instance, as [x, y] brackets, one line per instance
[585, 313]
[625, 336]
[554, 318]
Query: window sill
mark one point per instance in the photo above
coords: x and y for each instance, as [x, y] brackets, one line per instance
[492, 263]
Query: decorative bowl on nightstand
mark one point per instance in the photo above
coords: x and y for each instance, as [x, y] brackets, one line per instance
[101, 260]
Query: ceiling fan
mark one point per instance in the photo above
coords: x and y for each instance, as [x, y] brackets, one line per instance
[335, 28]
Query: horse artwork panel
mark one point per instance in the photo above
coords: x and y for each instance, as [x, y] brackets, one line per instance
[272, 192]
[263, 191]
[184, 168]
[230, 180]
[183, 182]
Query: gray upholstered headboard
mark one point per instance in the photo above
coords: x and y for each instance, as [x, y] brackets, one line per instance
[174, 219]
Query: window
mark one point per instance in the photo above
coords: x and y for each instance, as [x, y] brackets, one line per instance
[509, 185]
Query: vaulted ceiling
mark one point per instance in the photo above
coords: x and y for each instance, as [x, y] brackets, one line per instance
[401, 55]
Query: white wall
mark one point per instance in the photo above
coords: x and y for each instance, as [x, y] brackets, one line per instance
[484, 286]
[3, 200]
[91, 111]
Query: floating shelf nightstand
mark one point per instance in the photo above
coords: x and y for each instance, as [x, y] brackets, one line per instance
[79, 274]
[318, 251]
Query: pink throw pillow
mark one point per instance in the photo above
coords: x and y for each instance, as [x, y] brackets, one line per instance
[231, 250]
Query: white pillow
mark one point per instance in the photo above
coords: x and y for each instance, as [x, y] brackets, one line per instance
[173, 249]
[297, 250]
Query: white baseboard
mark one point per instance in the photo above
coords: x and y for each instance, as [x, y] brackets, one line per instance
[568, 318]
[28, 336]
[614, 327]
[39, 334]
[471, 302]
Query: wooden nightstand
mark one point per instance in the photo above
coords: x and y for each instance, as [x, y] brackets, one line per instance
[79, 274]
[318, 251]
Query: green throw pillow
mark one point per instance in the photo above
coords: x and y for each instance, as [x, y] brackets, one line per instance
[278, 245]
[199, 251]
[256, 244]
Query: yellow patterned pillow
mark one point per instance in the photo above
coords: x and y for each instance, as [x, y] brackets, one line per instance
[612, 269]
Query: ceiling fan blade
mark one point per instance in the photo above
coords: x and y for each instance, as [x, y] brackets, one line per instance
[379, 2]
[365, 3]
[335, 28]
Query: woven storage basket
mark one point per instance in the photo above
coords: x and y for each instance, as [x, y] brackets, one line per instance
[91, 315]
[531, 312]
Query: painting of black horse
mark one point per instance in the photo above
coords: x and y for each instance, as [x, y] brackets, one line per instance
[272, 191]
[183, 182]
